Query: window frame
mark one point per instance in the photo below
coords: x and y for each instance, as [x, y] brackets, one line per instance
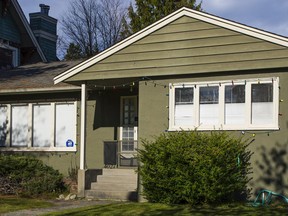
[15, 53]
[29, 146]
[222, 126]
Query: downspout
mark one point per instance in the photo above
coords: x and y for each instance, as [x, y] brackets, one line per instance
[81, 171]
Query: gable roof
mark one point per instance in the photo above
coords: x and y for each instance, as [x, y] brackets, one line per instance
[256, 33]
[28, 29]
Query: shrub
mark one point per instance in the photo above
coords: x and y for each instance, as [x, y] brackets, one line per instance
[193, 167]
[29, 176]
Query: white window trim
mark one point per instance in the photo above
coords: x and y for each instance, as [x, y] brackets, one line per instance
[29, 147]
[15, 51]
[221, 125]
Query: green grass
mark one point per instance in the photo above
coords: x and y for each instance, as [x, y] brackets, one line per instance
[10, 204]
[144, 209]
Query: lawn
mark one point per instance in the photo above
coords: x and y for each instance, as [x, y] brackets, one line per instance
[144, 209]
[10, 204]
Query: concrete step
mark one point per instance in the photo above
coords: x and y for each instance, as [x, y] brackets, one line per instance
[112, 195]
[119, 172]
[117, 179]
[108, 186]
[117, 184]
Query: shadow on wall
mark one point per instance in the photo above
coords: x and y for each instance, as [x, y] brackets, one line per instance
[273, 165]
[3, 133]
[106, 110]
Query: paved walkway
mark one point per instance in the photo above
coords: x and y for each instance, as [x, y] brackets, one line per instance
[58, 206]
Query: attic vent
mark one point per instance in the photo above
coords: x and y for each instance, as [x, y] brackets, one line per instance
[44, 9]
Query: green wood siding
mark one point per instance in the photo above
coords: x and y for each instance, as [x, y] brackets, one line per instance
[8, 28]
[188, 46]
[48, 47]
[43, 24]
[269, 147]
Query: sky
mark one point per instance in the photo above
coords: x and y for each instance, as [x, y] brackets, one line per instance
[268, 15]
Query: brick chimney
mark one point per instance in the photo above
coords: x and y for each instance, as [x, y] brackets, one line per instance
[44, 28]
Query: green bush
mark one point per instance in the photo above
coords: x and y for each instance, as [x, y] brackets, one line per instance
[28, 176]
[195, 168]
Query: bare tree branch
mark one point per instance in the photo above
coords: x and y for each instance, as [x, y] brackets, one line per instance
[93, 25]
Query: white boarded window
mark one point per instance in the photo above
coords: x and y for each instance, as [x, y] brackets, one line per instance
[235, 104]
[227, 105]
[262, 103]
[42, 125]
[184, 108]
[20, 126]
[209, 105]
[38, 127]
[3, 125]
[65, 128]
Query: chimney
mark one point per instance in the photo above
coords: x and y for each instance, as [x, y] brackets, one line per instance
[44, 28]
[44, 9]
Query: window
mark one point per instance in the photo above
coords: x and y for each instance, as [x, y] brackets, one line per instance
[128, 139]
[184, 106]
[3, 125]
[209, 105]
[20, 129]
[65, 125]
[227, 105]
[38, 127]
[9, 56]
[42, 125]
[262, 103]
[234, 104]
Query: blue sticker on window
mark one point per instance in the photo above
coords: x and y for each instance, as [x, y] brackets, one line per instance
[69, 143]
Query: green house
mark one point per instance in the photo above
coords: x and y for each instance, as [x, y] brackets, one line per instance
[190, 70]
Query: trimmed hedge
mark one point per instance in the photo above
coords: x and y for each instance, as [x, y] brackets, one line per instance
[28, 176]
[195, 168]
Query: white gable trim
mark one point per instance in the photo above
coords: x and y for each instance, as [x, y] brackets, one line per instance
[28, 29]
[163, 22]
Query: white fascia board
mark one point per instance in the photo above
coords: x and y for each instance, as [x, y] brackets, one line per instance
[39, 90]
[161, 23]
[27, 27]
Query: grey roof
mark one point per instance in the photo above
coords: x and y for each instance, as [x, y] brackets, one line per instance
[34, 76]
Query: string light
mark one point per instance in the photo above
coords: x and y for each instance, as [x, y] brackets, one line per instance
[148, 80]
[253, 134]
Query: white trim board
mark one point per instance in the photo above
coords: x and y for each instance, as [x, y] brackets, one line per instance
[260, 34]
[40, 90]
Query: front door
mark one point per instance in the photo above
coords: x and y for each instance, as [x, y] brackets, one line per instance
[128, 131]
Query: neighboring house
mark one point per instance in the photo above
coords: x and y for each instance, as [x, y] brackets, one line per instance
[18, 45]
[36, 117]
[190, 70]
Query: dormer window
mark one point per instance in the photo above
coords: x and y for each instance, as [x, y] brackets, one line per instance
[9, 57]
